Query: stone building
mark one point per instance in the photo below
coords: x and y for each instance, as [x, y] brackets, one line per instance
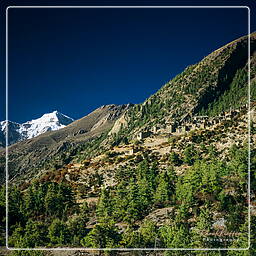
[193, 126]
[186, 119]
[143, 134]
[179, 129]
[202, 125]
[155, 129]
[184, 128]
[215, 120]
[172, 127]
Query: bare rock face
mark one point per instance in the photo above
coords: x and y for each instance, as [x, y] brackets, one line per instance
[120, 123]
[161, 216]
[115, 112]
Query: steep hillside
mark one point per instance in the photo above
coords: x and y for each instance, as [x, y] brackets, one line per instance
[188, 189]
[30, 154]
[171, 172]
[211, 86]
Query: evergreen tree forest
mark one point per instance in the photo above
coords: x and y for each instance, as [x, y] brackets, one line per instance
[48, 215]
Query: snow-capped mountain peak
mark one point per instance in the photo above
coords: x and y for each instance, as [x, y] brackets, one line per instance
[48, 122]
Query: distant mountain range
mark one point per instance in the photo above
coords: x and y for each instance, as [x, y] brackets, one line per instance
[30, 129]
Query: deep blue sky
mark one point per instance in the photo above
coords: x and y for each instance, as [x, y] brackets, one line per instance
[75, 60]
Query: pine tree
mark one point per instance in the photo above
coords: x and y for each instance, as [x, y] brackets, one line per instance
[58, 233]
[104, 208]
[163, 191]
[133, 211]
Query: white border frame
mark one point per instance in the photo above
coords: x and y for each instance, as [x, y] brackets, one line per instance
[132, 249]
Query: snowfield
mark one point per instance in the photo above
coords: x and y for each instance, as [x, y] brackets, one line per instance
[30, 129]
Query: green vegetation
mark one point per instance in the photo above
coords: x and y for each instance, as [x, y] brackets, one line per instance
[48, 215]
[236, 96]
[192, 195]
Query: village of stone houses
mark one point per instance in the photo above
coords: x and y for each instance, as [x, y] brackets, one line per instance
[171, 172]
[158, 143]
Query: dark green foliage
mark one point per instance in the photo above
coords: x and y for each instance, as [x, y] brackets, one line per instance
[144, 237]
[104, 207]
[133, 207]
[235, 96]
[59, 233]
[2, 215]
[51, 199]
[196, 194]
[77, 228]
[166, 188]
[2, 204]
[175, 159]
[15, 206]
[190, 155]
[34, 234]
[253, 91]
[175, 236]
[40, 201]
[103, 235]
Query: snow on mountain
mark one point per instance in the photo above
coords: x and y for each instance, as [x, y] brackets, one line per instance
[30, 129]
[48, 122]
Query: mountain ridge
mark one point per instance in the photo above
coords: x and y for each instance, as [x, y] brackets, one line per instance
[170, 172]
[40, 149]
[186, 94]
[47, 122]
[201, 87]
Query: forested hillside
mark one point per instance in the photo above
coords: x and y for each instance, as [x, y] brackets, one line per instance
[171, 172]
[217, 83]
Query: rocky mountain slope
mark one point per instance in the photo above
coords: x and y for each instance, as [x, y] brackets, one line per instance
[171, 172]
[31, 153]
[30, 129]
[210, 87]
[215, 84]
